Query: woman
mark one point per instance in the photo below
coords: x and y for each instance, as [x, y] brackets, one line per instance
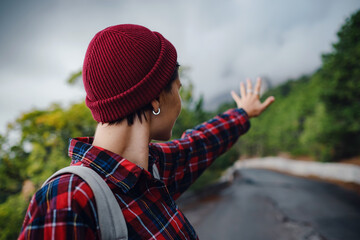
[131, 79]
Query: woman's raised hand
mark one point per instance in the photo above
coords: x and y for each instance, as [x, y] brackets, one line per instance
[250, 99]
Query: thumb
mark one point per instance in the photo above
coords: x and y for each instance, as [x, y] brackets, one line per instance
[267, 102]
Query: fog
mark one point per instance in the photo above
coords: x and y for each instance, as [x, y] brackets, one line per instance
[223, 42]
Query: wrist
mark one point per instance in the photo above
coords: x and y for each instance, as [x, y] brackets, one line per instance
[247, 112]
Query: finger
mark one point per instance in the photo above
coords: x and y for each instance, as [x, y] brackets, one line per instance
[249, 86]
[242, 90]
[267, 103]
[258, 87]
[236, 97]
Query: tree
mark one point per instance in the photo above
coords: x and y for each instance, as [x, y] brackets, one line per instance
[340, 78]
[40, 151]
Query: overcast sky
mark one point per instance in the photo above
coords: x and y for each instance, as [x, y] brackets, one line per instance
[43, 41]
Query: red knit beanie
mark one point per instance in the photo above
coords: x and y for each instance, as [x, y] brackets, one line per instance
[125, 68]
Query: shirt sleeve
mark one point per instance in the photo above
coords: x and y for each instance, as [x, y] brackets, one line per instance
[62, 209]
[180, 162]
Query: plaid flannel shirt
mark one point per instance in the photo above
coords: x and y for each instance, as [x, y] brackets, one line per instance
[66, 209]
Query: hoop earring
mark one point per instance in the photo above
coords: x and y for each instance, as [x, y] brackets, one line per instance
[156, 113]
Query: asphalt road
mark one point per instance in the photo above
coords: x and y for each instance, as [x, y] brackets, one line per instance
[265, 205]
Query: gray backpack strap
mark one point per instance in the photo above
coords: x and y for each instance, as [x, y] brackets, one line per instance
[156, 172]
[111, 219]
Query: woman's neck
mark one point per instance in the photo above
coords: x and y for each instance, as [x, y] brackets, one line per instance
[130, 142]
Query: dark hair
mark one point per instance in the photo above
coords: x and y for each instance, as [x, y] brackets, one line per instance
[141, 112]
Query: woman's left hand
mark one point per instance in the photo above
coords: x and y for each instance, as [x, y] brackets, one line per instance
[250, 100]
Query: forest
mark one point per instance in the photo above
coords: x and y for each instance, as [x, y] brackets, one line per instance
[316, 115]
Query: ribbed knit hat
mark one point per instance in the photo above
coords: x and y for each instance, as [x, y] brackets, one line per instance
[125, 68]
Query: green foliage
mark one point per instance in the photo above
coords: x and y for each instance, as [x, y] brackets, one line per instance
[47, 133]
[279, 127]
[11, 216]
[316, 115]
[11, 178]
[192, 112]
[39, 152]
[341, 96]
[74, 77]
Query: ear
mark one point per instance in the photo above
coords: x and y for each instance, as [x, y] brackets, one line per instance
[155, 104]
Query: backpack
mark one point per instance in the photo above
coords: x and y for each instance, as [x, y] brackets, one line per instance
[111, 219]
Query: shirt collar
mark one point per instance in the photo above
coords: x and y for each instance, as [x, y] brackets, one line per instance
[111, 166]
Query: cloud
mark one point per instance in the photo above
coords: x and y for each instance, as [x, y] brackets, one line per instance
[42, 42]
[278, 39]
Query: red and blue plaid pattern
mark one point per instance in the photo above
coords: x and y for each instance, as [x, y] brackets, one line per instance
[66, 209]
